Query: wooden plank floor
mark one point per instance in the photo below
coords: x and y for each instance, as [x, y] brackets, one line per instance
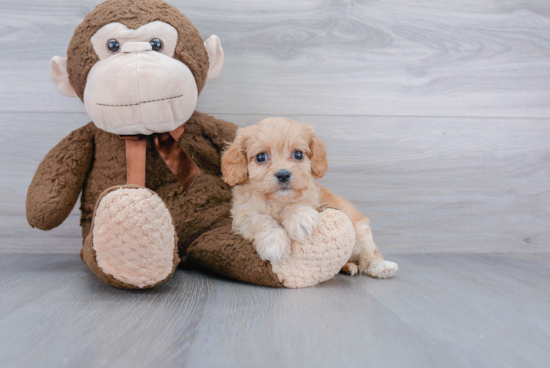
[440, 311]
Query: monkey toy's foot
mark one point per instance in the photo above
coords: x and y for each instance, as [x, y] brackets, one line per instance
[132, 242]
[322, 255]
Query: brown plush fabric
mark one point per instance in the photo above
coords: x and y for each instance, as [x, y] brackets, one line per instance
[94, 160]
[81, 56]
[50, 197]
[195, 211]
[88, 254]
[224, 252]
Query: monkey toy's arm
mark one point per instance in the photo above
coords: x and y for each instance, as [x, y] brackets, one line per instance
[59, 178]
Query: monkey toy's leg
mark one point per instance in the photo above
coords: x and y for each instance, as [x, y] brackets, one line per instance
[224, 252]
[315, 260]
[132, 242]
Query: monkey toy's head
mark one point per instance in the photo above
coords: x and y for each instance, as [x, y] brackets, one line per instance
[138, 66]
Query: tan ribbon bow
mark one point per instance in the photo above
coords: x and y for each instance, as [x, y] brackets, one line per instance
[169, 149]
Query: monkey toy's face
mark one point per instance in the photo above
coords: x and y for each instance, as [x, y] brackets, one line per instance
[136, 84]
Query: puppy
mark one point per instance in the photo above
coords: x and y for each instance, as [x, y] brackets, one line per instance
[276, 199]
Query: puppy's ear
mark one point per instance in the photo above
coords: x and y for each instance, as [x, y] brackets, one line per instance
[319, 161]
[234, 164]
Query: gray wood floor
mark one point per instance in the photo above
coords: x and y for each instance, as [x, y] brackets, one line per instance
[440, 311]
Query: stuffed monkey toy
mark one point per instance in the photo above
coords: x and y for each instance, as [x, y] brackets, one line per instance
[148, 166]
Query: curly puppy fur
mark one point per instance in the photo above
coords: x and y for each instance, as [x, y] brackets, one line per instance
[276, 198]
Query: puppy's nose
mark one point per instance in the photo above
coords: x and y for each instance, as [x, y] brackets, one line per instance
[283, 176]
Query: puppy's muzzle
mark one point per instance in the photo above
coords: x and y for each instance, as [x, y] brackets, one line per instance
[283, 176]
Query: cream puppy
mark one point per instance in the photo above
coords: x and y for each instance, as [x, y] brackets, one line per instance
[276, 199]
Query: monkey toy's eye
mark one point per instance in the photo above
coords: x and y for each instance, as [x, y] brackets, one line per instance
[113, 46]
[298, 155]
[261, 158]
[156, 44]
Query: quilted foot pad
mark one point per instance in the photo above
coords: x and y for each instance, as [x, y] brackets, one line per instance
[321, 256]
[134, 237]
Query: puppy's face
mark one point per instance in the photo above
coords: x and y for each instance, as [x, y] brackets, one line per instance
[277, 157]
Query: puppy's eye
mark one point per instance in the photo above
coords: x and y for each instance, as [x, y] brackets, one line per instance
[156, 44]
[298, 155]
[113, 46]
[261, 158]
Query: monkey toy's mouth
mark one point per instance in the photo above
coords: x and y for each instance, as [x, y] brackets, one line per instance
[141, 93]
[141, 102]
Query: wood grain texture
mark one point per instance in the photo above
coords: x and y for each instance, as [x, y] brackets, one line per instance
[428, 184]
[440, 311]
[25, 278]
[421, 58]
[110, 325]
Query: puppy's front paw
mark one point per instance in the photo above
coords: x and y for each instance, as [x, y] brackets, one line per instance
[380, 270]
[273, 245]
[300, 225]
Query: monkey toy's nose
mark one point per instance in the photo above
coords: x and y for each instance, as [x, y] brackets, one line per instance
[129, 47]
[283, 176]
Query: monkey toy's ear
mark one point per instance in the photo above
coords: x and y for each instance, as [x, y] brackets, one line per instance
[215, 56]
[60, 76]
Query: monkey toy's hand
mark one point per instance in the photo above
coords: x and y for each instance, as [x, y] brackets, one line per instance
[59, 179]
